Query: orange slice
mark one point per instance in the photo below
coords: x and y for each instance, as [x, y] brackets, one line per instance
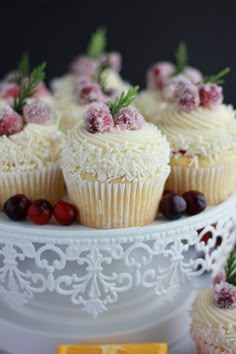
[129, 348]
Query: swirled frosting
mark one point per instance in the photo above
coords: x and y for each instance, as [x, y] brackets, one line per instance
[204, 132]
[150, 104]
[212, 325]
[127, 155]
[34, 147]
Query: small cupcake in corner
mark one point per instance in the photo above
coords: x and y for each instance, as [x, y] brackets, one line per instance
[115, 165]
[151, 101]
[30, 144]
[87, 65]
[213, 323]
[201, 130]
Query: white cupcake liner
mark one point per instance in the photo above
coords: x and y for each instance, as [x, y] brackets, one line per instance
[217, 183]
[47, 183]
[115, 205]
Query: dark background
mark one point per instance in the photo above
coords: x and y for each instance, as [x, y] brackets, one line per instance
[143, 31]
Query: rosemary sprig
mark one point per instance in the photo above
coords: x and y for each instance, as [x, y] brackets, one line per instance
[97, 43]
[230, 269]
[23, 69]
[218, 78]
[181, 56]
[124, 100]
[28, 87]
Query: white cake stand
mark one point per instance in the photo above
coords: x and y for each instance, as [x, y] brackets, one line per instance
[76, 284]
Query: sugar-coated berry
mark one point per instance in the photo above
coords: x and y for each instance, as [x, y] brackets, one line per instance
[159, 74]
[112, 59]
[65, 213]
[172, 206]
[41, 91]
[85, 66]
[87, 92]
[128, 118]
[181, 91]
[109, 94]
[193, 74]
[37, 111]
[210, 95]
[196, 202]
[9, 90]
[40, 211]
[10, 121]
[98, 119]
[16, 207]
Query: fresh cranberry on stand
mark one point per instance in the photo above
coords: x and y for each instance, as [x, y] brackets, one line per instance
[16, 207]
[172, 206]
[196, 202]
[65, 213]
[40, 211]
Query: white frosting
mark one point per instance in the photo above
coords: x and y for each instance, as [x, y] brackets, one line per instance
[212, 325]
[128, 155]
[150, 104]
[34, 147]
[204, 132]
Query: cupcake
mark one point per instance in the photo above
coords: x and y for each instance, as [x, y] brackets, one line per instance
[31, 146]
[201, 131]
[151, 101]
[115, 166]
[86, 65]
[213, 325]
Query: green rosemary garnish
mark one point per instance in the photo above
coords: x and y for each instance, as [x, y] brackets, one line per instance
[124, 100]
[181, 56]
[23, 69]
[97, 43]
[230, 269]
[28, 87]
[218, 78]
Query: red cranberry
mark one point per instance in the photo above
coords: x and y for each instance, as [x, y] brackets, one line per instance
[88, 92]
[40, 211]
[193, 75]
[10, 121]
[128, 118]
[16, 207]
[110, 94]
[159, 74]
[83, 65]
[65, 213]
[113, 59]
[9, 90]
[172, 206]
[98, 119]
[41, 91]
[37, 111]
[196, 202]
[210, 95]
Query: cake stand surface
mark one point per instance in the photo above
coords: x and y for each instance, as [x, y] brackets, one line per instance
[78, 284]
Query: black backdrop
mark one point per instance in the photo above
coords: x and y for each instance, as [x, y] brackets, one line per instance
[143, 31]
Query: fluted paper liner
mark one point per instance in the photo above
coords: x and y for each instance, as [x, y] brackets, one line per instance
[47, 183]
[115, 205]
[217, 183]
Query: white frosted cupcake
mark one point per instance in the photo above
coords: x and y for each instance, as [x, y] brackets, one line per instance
[213, 326]
[115, 167]
[201, 131]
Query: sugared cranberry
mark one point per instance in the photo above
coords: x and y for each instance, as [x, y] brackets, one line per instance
[65, 213]
[193, 75]
[225, 295]
[88, 92]
[10, 121]
[172, 206]
[41, 91]
[9, 90]
[16, 207]
[109, 94]
[40, 211]
[112, 59]
[85, 66]
[210, 95]
[98, 119]
[159, 74]
[196, 202]
[128, 118]
[182, 92]
[37, 111]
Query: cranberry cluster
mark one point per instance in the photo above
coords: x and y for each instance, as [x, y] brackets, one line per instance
[36, 111]
[39, 211]
[173, 205]
[9, 89]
